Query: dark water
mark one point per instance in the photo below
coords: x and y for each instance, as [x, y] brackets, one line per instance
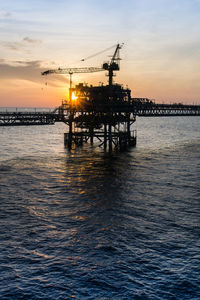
[84, 225]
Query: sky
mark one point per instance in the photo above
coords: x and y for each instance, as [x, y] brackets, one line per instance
[160, 55]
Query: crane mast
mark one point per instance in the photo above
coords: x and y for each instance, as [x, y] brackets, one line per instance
[113, 65]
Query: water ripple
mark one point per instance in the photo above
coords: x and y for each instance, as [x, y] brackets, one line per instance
[84, 225]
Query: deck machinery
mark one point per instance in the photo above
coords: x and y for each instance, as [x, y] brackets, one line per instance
[99, 112]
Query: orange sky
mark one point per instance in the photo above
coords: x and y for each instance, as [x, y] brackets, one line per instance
[160, 57]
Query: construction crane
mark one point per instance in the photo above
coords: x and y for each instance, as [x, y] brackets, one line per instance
[113, 65]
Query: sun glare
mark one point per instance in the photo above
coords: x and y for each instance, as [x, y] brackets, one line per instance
[74, 97]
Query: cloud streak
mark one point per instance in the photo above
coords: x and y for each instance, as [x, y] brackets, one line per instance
[24, 44]
[31, 41]
[29, 71]
[4, 14]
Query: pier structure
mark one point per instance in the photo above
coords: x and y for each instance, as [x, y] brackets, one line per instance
[28, 118]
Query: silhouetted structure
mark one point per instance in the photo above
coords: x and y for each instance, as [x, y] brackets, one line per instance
[104, 112]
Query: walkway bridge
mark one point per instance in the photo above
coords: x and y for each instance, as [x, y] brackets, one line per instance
[138, 107]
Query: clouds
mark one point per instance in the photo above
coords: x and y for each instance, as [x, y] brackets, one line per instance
[4, 14]
[27, 70]
[20, 70]
[31, 41]
[25, 44]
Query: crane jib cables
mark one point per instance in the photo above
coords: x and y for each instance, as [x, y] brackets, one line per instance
[98, 53]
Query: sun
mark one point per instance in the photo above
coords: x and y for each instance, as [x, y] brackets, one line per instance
[74, 97]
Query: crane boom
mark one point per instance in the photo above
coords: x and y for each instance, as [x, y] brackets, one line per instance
[72, 70]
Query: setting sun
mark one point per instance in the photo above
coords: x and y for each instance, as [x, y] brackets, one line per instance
[74, 97]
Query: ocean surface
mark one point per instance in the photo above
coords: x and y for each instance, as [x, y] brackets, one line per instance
[86, 225]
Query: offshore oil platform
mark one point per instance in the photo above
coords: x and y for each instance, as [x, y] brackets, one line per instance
[98, 112]
[105, 113]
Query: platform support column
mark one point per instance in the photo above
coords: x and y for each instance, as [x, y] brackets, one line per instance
[70, 136]
[105, 136]
[91, 130]
[70, 131]
[110, 137]
[128, 129]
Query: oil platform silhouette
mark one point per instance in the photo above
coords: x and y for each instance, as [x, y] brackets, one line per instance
[105, 112]
[99, 112]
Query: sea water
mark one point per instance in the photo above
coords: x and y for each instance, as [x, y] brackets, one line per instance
[87, 225]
